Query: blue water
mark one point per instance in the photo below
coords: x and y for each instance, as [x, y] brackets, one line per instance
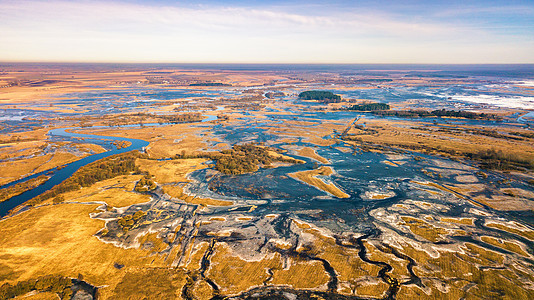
[64, 173]
[136, 98]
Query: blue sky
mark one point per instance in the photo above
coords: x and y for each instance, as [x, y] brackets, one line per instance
[268, 31]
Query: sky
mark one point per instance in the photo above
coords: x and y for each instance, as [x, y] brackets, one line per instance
[160, 31]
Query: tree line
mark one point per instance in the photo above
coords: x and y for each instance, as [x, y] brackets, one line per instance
[437, 113]
[241, 159]
[49, 283]
[369, 107]
[323, 96]
[110, 167]
[19, 188]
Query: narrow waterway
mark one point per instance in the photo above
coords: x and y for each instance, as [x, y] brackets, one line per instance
[60, 175]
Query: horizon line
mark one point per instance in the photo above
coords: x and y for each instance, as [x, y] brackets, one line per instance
[262, 63]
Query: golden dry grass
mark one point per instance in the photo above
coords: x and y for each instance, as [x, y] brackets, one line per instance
[504, 244]
[390, 163]
[23, 138]
[178, 193]
[194, 260]
[115, 192]
[375, 288]
[309, 152]
[506, 203]
[165, 141]
[312, 134]
[527, 233]
[348, 265]
[12, 170]
[277, 155]
[21, 167]
[170, 171]
[173, 171]
[146, 283]
[11, 150]
[234, 275]
[444, 188]
[399, 272]
[301, 274]
[309, 178]
[464, 221]
[459, 269]
[152, 242]
[408, 134]
[59, 240]
[39, 296]
[424, 229]
[202, 290]
[22, 187]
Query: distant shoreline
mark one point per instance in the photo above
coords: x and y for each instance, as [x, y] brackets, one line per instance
[524, 71]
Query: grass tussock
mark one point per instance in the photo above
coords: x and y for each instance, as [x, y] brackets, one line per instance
[310, 178]
[507, 245]
[55, 284]
[309, 152]
[424, 229]
[20, 188]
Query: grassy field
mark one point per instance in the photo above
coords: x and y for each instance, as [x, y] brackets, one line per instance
[510, 150]
[59, 239]
[309, 152]
[115, 192]
[171, 172]
[12, 170]
[21, 187]
[310, 178]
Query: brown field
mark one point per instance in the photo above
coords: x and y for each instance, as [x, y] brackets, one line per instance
[309, 178]
[59, 240]
[115, 192]
[507, 245]
[13, 170]
[309, 152]
[171, 172]
[416, 136]
[234, 274]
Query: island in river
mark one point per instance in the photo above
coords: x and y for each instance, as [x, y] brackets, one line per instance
[373, 184]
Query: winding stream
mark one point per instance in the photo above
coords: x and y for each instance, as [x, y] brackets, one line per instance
[60, 175]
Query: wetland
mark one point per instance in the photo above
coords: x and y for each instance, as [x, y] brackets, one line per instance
[292, 183]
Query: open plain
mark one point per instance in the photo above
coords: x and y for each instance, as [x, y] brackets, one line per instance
[210, 182]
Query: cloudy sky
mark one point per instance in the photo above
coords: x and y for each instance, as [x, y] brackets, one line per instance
[467, 31]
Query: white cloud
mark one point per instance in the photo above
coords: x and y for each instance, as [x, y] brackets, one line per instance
[107, 31]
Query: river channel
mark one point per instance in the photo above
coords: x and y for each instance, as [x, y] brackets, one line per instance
[60, 175]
